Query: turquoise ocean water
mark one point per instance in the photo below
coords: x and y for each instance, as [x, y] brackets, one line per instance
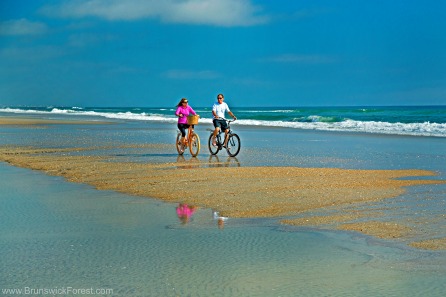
[402, 120]
[57, 235]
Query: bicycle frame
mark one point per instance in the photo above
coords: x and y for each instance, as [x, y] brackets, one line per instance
[189, 133]
[192, 140]
[231, 141]
[218, 137]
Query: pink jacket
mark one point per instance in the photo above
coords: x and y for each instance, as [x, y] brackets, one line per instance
[185, 112]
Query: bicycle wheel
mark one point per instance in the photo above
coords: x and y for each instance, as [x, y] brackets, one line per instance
[212, 149]
[194, 145]
[233, 145]
[179, 145]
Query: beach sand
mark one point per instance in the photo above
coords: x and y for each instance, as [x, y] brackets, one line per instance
[36, 121]
[298, 204]
[291, 194]
[251, 192]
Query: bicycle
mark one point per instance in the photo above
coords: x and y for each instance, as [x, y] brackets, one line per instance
[192, 141]
[232, 144]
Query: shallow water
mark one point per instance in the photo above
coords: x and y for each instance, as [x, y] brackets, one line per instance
[56, 234]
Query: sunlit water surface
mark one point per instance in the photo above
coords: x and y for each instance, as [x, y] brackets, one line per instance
[57, 234]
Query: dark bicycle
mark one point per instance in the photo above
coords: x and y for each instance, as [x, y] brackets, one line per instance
[232, 144]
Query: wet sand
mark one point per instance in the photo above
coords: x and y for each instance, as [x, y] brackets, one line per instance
[243, 192]
[34, 121]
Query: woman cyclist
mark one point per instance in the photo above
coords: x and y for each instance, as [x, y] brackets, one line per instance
[183, 110]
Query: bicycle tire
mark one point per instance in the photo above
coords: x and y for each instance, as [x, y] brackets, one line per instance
[194, 145]
[179, 145]
[212, 149]
[233, 145]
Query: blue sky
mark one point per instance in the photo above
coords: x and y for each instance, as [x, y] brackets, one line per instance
[258, 53]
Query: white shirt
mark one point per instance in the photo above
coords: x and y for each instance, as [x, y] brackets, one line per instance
[220, 109]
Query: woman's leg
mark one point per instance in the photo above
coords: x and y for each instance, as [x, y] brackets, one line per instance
[183, 132]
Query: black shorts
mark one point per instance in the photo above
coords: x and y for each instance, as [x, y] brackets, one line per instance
[183, 128]
[222, 124]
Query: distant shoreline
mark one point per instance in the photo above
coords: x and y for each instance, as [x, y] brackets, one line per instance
[35, 121]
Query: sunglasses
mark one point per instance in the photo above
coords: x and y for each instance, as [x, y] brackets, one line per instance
[184, 102]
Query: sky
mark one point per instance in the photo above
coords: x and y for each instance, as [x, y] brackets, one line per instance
[148, 53]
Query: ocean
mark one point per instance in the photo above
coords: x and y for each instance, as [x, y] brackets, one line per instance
[62, 237]
[393, 120]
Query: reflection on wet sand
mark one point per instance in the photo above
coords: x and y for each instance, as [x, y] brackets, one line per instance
[185, 212]
[182, 163]
[214, 161]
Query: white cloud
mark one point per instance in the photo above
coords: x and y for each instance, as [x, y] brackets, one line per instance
[226, 13]
[22, 27]
[187, 74]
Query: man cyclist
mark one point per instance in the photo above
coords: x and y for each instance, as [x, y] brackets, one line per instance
[218, 111]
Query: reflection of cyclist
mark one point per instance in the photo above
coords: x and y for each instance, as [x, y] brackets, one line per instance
[183, 110]
[218, 111]
[185, 212]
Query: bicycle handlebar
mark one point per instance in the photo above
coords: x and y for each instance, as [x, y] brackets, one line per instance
[229, 121]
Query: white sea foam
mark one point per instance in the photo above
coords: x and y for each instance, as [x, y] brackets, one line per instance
[16, 110]
[314, 123]
[416, 129]
[271, 111]
[119, 115]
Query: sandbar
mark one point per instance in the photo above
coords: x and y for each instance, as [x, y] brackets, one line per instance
[237, 192]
